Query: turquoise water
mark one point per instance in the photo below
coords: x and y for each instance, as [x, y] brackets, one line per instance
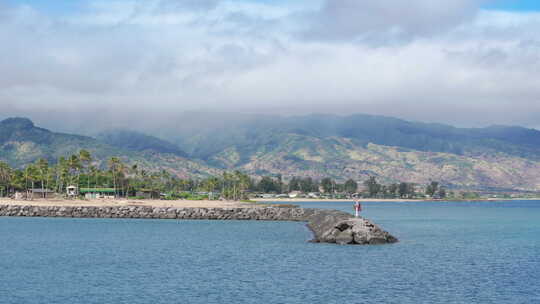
[449, 253]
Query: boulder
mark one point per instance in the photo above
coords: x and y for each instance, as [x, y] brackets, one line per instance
[357, 231]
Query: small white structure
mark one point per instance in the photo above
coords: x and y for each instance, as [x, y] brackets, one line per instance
[20, 195]
[313, 195]
[72, 191]
[295, 194]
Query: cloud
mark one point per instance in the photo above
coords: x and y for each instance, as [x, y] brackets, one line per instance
[188, 4]
[449, 62]
[388, 19]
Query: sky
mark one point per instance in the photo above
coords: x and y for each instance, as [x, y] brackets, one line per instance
[461, 62]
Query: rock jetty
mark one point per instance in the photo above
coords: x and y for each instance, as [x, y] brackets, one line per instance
[328, 226]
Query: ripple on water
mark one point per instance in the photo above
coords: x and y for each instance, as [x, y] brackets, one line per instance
[448, 253]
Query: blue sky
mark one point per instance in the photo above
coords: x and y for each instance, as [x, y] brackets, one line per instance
[516, 5]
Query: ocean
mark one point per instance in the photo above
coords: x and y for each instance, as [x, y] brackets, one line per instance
[462, 252]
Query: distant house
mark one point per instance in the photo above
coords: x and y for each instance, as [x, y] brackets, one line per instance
[148, 194]
[92, 193]
[314, 195]
[40, 193]
[295, 194]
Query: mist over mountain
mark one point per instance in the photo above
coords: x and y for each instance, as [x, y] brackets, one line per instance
[202, 140]
[136, 141]
[317, 146]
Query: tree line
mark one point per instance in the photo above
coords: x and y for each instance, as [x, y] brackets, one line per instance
[83, 171]
[402, 190]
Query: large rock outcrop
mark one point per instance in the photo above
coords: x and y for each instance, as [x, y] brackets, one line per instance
[356, 231]
[333, 226]
[328, 226]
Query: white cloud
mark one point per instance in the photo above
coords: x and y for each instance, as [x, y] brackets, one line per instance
[447, 62]
[388, 19]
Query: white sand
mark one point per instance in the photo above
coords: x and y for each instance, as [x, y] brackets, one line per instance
[129, 202]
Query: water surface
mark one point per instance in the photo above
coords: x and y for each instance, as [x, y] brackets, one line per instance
[449, 253]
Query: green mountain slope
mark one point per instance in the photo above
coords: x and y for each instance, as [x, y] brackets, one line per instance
[314, 146]
[201, 141]
[360, 145]
[21, 143]
[345, 158]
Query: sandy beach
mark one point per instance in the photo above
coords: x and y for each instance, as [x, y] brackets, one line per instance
[130, 202]
[259, 202]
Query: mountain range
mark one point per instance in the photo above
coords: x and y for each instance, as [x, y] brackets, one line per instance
[342, 147]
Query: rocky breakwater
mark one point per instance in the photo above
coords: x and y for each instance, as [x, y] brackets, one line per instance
[328, 226]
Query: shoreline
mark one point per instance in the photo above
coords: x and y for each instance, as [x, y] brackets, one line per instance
[315, 200]
[254, 203]
[128, 203]
[387, 200]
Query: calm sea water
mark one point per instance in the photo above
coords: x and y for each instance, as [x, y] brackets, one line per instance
[449, 253]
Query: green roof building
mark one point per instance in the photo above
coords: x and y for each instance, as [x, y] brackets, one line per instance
[98, 192]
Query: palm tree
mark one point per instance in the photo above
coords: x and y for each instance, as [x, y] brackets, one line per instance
[165, 179]
[63, 173]
[5, 177]
[123, 171]
[114, 163]
[30, 175]
[93, 170]
[209, 185]
[42, 167]
[243, 183]
[75, 165]
[86, 158]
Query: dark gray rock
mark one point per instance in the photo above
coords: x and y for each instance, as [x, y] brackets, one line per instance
[345, 237]
[350, 231]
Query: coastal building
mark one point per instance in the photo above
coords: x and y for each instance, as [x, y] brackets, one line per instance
[314, 195]
[93, 193]
[72, 191]
[40, 193]
[147, 194]
[295, 194]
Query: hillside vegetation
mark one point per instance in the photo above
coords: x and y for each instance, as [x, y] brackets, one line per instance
[317, 146]
[22, 143]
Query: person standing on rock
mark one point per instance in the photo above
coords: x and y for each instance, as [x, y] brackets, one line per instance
[357, 209]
